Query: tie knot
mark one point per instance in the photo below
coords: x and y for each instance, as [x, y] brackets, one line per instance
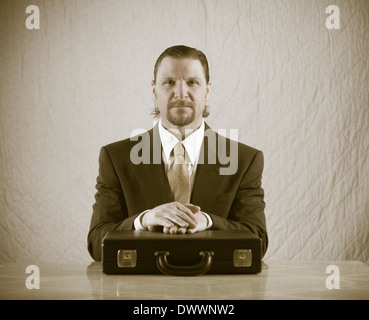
[179, 150]
[179, 153]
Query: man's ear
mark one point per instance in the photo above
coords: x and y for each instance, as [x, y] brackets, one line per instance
[153, 85]
[208, 91]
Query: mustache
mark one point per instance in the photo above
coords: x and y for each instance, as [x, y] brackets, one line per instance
[181, 103]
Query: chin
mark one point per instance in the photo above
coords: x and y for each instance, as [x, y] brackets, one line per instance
[181, 118]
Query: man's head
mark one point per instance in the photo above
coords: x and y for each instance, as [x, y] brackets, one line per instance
[181, 87]
[184, 52]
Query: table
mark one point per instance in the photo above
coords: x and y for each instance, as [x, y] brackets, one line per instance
[278, 280]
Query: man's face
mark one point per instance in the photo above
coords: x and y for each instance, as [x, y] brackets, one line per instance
[180, 92]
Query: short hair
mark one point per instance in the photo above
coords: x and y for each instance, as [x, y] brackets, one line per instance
[183, 52]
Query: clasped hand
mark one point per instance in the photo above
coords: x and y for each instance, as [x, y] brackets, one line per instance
[175, 217]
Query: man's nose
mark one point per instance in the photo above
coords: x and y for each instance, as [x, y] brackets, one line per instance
[181, 91]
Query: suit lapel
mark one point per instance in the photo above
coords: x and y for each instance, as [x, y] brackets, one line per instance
[208, 181]
[151, 177]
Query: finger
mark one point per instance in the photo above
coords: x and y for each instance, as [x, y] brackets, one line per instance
[166, 230]
[174, 213]
[185, 214]
[178, 217]
[182, 230]
[168, 219]
[173, 230]
[184, 206]
[153, 228]
[191, 230]
[163, 222]
[192, 207]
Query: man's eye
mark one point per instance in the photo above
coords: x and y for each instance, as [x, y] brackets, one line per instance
[192, 82]
[169, 82]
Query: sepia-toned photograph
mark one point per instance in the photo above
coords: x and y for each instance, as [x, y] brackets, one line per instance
[191, 152]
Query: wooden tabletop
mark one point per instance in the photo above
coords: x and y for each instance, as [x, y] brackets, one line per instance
[278, 280]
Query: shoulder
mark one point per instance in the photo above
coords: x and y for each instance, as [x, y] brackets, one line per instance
[245, 149]
[237, 152]
[232, 142]
[118, 145]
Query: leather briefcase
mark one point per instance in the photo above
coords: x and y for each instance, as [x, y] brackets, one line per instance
[211, 251]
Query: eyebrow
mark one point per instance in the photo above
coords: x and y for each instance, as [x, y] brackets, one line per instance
[194, 78]
[190, 78]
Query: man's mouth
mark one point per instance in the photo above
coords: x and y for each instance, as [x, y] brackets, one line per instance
[181, 104]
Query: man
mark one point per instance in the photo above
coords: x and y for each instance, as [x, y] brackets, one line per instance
[170, 179]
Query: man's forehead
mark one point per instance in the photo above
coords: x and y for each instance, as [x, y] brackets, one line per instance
[171, 67]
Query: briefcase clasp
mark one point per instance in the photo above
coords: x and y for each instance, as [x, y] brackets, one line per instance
[242, 258]
[127, 258]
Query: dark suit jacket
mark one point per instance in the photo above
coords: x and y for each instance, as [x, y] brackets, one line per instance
[125, 189]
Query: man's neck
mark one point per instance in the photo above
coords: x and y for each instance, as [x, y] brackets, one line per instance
[181, 132]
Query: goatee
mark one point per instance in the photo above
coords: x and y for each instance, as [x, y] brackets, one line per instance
[181, 113]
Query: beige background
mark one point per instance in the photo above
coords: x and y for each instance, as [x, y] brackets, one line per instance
[293, 88]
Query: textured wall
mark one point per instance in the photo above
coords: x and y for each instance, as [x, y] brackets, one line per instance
[293, 88]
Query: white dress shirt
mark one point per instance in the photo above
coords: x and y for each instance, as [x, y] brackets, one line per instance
[192, 145]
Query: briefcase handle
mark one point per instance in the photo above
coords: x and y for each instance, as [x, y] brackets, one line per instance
[202, 267]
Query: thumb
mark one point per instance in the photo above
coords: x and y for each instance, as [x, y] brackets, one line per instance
[193, 208]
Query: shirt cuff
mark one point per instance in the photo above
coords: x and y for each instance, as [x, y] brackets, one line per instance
[210, 221]
[137, 221]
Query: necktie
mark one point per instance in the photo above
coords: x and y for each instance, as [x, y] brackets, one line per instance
[179, 177]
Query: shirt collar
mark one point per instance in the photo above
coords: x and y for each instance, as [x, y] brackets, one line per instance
[192, 143]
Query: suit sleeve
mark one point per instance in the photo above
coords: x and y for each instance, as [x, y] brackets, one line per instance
[247, 210]
[109, 209]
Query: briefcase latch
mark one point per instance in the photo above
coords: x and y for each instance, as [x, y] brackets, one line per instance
[242, 258]
[127, 258]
